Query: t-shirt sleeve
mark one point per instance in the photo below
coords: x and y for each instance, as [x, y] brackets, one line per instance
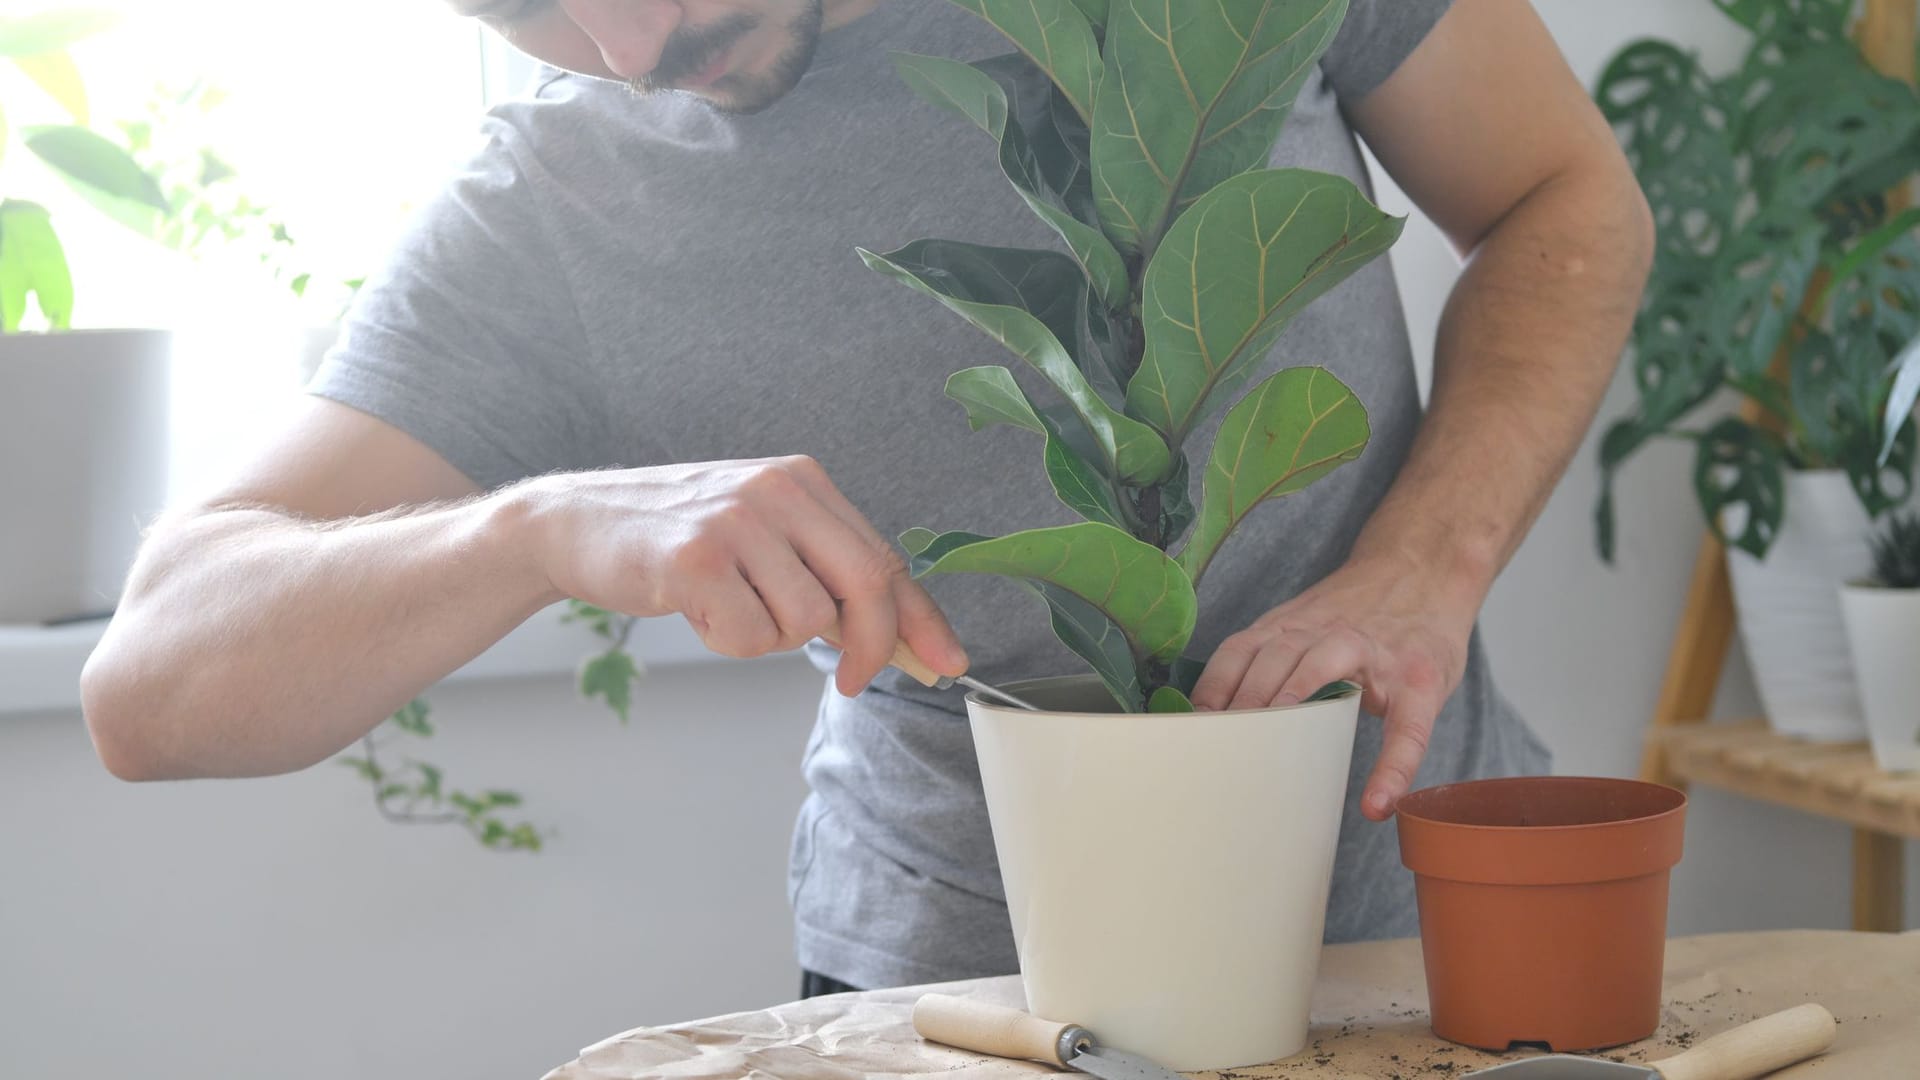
[468, 339]
[1376, 37]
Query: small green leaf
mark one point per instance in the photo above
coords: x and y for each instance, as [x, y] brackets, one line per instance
[502, 798]
[1232, 272]
[1194, 93]
[1168, 700]
[609, 677]
[1132, 583]
[917, 540]
[391, 790]
[1297, 426]
[1739, 469]
[1339, 688]
[103, 173]
[32, 263]
[987, 287]
[364, 767]
[991, 396]
[412, 718]
[1055, 35]
[429, 780]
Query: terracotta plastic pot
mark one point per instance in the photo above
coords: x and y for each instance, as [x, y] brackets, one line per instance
[1543, 906]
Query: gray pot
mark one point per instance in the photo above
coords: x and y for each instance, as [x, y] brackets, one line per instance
[83, 466]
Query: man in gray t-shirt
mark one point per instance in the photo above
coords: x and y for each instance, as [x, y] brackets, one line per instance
[629, 356]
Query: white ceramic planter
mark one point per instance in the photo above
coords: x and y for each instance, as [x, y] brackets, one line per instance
[1789, 609]
[1883, 629]
[1167, 873]
[83, 466]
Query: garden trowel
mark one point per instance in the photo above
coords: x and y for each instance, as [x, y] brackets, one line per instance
[1003, 1032]
[909, 661]
[1750, 1050]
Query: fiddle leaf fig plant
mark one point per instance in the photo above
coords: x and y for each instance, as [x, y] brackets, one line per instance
[1184, 259]
[1782, 271]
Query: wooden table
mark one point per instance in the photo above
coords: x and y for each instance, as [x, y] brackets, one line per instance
[1369, 1015]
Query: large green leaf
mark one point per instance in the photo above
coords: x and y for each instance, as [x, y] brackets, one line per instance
[1738, 475]
[1294, 428]
[1041, 165]
[991, 396]
[1826, 116]
[1054, 34]
[1233, 270]
[1167, 699]
[55, 73]
[1829, 16]
[1096, 13]
[1195, 92]
[49, 31]
[1134, 584]
[32, 263]
[990, 287]
[1094, 638]
[103, 173]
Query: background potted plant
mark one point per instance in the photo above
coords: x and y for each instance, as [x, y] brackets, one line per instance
[1184, 259]
[87, 409]
[1883, 629]
[1783, 274]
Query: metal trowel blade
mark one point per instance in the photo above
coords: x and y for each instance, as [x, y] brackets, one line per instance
[1566, 1067]
[1111, 1064]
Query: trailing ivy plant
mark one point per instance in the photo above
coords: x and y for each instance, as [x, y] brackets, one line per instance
[415, 792]
[1775, 240]
[1184, 258]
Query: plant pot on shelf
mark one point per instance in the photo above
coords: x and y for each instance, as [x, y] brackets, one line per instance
[1543, 906]
[83, 433]
[1167, 873]
[1883, 631]
[1788, 608]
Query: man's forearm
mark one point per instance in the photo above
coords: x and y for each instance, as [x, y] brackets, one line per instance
[252, 642]
[1527, 345]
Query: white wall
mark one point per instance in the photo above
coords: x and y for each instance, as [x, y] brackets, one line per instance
[278, 927]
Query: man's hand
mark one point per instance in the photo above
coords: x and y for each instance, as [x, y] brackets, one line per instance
[759, 556]
[1398, 632]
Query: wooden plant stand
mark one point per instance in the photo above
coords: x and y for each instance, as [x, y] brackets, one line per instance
[1837, 781]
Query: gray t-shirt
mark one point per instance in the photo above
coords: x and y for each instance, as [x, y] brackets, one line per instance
[626, 280]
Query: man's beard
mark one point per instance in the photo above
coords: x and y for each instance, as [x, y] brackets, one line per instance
[690, 51]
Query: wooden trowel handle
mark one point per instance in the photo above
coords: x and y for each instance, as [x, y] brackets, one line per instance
[904, 658]
[993, 1029]
[1755, 1049]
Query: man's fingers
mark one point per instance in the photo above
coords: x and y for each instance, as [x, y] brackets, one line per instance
[1404, 745]
[1340, 655]
[730, 617]
[1221, 678]
[800, 605]
[923, 627]
[1269, 671]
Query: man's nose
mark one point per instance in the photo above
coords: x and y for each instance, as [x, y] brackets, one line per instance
[630, 34]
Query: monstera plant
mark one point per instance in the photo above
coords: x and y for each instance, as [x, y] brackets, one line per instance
[1782, 272]
[1184, 259]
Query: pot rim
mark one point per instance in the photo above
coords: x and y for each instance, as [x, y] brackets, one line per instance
[979, 700]
[1679, 807]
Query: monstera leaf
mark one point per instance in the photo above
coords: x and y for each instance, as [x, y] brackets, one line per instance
[1294, 428]
[1738, 474]
[1054, 34]
[1195, 92]
[1242, 261]
[1131, 583]
[992, 288]
[1760, 282]
[1674, 130]
[1042, 165]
